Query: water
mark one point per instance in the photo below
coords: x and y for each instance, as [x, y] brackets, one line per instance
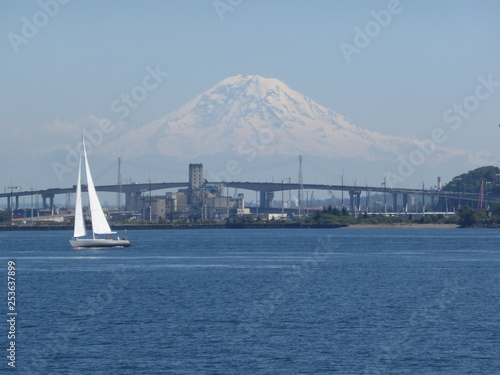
[345, 301]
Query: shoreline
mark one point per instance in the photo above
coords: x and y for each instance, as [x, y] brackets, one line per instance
[403, 226]
[238, 226]
[15, 228]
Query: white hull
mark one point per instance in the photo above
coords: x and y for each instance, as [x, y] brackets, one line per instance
[99, 242]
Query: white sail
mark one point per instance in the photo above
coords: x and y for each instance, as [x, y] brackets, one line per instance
[99, 223]
[79, 221]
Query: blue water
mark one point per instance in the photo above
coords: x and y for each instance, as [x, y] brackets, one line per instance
[344, 301]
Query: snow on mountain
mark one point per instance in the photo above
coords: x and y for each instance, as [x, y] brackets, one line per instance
[251, 116]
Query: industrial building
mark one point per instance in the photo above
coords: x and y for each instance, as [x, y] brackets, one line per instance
[199, 201]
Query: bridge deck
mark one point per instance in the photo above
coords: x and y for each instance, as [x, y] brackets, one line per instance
[266, 188]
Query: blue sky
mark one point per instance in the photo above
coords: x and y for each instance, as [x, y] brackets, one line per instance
[430, 56]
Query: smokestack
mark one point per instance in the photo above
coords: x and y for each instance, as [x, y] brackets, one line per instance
[439, 183]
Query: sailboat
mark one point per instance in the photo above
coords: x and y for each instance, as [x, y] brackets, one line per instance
[100, 225]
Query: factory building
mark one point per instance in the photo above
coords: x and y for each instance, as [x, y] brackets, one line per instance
[199, 201]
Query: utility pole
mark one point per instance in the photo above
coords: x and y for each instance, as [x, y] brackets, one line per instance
[31, 196]
[481, 195]
[205, 202]
[282, 200]
[257, 203]
[342, 182]
[227, 201]
[150, 216]
[423, 198]
[119, 183]
[367, 197]
[384, 184]
[486, 197]
[301, 185]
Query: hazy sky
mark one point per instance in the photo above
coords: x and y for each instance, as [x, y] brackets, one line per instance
[416, 60]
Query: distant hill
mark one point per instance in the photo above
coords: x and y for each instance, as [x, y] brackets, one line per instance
[470, 182]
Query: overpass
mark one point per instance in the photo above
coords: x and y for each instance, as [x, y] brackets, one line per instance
[131, 192]
[266, 189]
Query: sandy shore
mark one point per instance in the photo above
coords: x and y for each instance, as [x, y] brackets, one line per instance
[398, 225]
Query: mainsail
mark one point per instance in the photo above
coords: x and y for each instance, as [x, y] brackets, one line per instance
[99, 223]
[79, 221]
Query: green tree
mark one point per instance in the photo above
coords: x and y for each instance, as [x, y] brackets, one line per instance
[5, 216]
[466, 216]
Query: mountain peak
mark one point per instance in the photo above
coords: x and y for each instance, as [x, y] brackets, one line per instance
[243, 79]
[252, 86]
[250, 78]
[241, 110]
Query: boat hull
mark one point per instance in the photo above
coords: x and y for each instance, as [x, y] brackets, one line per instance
[99, 242]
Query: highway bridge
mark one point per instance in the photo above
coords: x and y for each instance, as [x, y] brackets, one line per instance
[266, 190]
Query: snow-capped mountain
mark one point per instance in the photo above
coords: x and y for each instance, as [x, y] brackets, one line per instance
[253, 116]
[243, 128]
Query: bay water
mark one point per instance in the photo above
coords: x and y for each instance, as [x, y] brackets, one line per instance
[256, 301]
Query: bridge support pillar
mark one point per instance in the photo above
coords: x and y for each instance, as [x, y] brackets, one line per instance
[262, 198]
[405, 203]
[394, 202]
[16, 206]
[51, 200]
[266, 198]
[8, 204]
[355, 201]
[128, 198]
